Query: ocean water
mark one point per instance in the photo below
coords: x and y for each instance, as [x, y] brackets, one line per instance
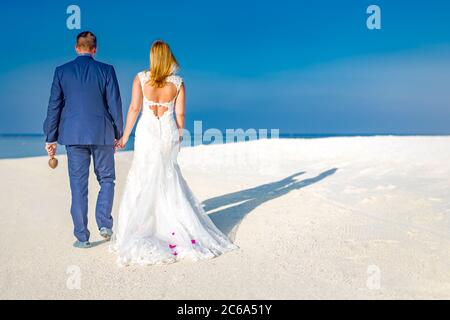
[32, 145]
[29, 145]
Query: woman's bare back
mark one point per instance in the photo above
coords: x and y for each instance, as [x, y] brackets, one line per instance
[158, 97]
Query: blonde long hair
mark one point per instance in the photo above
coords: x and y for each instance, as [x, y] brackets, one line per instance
[162, 63]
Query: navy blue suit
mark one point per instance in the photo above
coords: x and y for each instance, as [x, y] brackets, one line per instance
[85, 114]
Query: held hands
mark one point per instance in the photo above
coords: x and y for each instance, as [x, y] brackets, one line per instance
[51, 149]
[121, 143]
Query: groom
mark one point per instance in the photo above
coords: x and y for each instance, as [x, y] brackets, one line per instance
[85, 114]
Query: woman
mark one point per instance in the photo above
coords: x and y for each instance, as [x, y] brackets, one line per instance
[160, 220]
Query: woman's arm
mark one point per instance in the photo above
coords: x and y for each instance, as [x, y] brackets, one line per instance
[180, 108]
[133, 111]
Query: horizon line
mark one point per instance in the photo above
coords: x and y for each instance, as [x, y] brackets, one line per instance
[282, 134]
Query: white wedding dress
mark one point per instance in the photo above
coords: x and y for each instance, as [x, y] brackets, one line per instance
[160, 220]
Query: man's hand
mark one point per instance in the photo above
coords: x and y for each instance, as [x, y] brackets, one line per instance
[51, 149]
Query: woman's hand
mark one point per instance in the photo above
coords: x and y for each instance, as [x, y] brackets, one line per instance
[118, 144]
[122, 142]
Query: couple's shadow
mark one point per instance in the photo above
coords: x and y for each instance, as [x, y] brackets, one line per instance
[239, 204]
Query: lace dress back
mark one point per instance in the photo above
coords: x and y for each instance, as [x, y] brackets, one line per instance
[144, 77]
[160, 220]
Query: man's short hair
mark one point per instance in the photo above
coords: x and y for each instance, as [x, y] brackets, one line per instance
[87, 40]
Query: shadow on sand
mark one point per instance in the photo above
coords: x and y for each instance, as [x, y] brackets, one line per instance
[99, 242]
[239, 204]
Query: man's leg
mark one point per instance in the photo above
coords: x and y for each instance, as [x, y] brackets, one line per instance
[79, 159]
[105, 172]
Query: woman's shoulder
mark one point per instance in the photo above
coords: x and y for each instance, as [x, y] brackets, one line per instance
[145, 74]
[175, 79]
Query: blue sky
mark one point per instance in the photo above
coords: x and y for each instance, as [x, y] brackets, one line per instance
[299, 66]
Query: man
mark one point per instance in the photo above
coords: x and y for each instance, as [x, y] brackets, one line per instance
[85, 114]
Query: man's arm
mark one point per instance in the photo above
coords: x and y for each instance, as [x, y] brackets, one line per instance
[55, 105]
[114, 101]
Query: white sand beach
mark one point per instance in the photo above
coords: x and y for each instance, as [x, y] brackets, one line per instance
[360, 217]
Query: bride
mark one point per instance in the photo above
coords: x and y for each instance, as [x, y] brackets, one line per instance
[160, 220]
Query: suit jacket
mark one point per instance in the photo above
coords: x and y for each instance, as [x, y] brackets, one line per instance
[85, 107]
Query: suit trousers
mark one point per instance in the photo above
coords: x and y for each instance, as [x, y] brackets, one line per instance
[79, 159]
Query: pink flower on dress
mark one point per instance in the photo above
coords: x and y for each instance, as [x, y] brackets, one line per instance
[175, 253]
[193, 241]
[171, 246]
